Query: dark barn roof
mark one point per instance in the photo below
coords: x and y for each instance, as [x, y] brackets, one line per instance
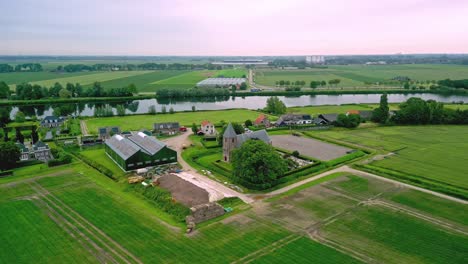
[260, 135]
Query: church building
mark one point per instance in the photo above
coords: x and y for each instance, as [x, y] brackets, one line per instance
[232, 141]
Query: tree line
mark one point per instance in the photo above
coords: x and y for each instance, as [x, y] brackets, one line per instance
[25, 67]
[134, 67]
[193, 92]
[27, 91]
[459, 84]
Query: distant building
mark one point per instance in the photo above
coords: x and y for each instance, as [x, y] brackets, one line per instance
[262, 120]
[138, 151]
[107, 132]
[294, 119]
[52, 121]
[316, 59]
[376, 63]
[166, 128]
[232, 141]
[39, 151]
[221, 82]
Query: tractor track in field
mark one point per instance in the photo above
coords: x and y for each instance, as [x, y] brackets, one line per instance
[86, 226]
[268, 249]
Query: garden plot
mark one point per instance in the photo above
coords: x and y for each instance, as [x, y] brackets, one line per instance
[309, 147]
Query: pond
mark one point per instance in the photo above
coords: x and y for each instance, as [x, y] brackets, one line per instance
[249, 102]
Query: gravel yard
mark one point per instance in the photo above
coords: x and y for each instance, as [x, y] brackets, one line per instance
[309, 147]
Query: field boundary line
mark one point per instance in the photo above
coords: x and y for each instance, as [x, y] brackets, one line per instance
[61, 205]
[74, 232]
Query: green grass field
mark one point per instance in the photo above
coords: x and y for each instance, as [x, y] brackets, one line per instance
[232, 73]
[90, 78]
[82, 216]
[14, 78]
[137, 122]
[141, 81]
[433, 152]
[99, 155]
[357, 75]
[183, 81]
[377, 221]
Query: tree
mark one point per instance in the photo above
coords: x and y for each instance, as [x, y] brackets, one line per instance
[323, 83]
[194, 128]
[9, 154]
[348, 121]
[248, 123]
[64, 93]
[257, 162]
[406, 85]
[314, 84]
[4, 90]
[152, 110]
[163, 109]
[243, 86]
[120, 110]
[381, 114]
[19, 136]
[20, 117]
[281, 83]
[413, 111]
[34, 135]
[275, 106]
[295, 154]
[193, 108]
[171, 110]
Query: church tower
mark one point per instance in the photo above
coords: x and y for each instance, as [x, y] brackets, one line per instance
[229, 142]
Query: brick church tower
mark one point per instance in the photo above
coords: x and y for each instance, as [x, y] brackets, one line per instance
[229, 142]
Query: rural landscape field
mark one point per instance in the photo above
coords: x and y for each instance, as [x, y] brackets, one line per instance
[234, 132]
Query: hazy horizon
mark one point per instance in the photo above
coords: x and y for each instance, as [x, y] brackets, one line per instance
[233, 28]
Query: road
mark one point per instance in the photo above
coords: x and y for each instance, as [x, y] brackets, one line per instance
[84, 128]
[346, 168]
[177, 144]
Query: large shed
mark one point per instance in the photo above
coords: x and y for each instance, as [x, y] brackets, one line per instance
[138, 151]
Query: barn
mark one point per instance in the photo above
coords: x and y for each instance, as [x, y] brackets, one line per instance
[138, 151]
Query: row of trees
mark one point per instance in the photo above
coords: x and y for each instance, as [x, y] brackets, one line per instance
[26, 91]
[135, 67]
[459, 84]
[193, 92]
[417, 111]
[25, 67]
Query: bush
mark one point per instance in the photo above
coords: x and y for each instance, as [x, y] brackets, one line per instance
[295, 154]
[6, 173]
[61, 158]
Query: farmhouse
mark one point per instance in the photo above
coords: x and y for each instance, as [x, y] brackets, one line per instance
[39, 151]
[232, 141]
[138, 151]
[106, 132]
[262, 120]
[208, 129]
[221, 82]
[294, 119]
[326, 119]
[366, 115]
[52, 121]
[166, 128]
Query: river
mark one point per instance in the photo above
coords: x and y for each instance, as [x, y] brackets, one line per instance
[249, 102]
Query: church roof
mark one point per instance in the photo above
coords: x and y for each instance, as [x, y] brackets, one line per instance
[230, 132]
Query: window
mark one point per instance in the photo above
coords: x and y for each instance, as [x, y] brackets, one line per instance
[131, 165]
[139, 163]
[172, 158]
[148, 162]
[164, 159]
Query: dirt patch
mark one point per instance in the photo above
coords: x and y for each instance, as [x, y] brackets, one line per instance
[309, 147]
[183, 191]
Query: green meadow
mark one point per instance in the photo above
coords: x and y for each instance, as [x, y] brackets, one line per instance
[358, 75]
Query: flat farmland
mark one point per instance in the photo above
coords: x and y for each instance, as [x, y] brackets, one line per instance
[80, 216]
[137, 122]
[143, 82]
[270, 77]
[436, 154]
[14, 78]
[232, 73]
[376, 221]
[358, 75]
[90, 78]
[184, 81]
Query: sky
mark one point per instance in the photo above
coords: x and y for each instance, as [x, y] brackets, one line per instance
[232, 28]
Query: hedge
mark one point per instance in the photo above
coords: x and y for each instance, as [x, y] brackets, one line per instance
[162, 199]
[97, 166]
[345, 158]
[6, 173]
